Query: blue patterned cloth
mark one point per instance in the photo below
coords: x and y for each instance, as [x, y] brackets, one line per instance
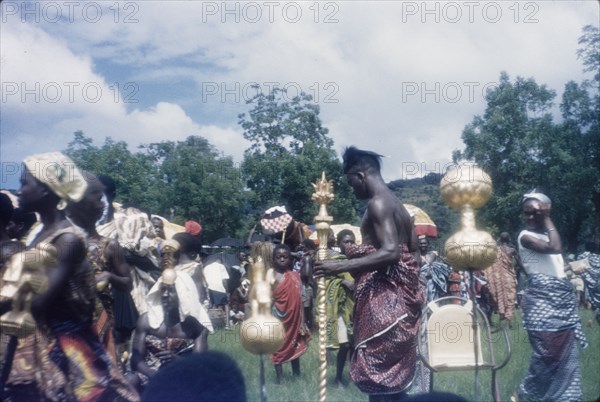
[550, 304]
[551, 318]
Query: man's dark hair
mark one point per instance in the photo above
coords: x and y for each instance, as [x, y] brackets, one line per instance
[189, 244]
[6, 209]
[282, 246]
[110, 188]
[209, 376]
[357, 159]
[343, 233]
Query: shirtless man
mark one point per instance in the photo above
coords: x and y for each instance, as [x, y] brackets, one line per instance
[388, 295]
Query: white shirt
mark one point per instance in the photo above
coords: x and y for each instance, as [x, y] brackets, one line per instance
[540, 263]
[214, 274]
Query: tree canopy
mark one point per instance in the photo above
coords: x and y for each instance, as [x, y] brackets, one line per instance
[518, 143]
[290, 148]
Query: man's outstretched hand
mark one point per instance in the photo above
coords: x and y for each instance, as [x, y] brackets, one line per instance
[328, 268]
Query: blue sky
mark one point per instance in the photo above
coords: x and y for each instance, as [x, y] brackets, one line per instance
[400, 78]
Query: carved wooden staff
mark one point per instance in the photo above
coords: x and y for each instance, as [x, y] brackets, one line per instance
[323, 195]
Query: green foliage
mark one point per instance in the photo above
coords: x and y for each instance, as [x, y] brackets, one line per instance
[134, 174]
[199, 183]
[590, 51]
[180, 180]
[290, 148]
[519, 145]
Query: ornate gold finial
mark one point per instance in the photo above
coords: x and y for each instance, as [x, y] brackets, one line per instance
[467, 187]
[323, 195]
[261, 332]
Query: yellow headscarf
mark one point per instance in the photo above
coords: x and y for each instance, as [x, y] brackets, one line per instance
[60, 174]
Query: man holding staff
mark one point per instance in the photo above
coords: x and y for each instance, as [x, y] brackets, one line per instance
[387, 293]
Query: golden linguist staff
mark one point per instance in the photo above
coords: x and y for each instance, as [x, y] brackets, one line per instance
[323, 195]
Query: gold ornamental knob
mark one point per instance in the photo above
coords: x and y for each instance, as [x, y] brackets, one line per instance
[467, 187]
[465, 184]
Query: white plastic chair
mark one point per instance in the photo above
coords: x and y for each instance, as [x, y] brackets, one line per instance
[450, 339]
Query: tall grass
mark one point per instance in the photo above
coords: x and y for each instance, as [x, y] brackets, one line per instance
[305, 387]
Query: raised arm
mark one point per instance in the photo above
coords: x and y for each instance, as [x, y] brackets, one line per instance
[554, 244]
[138, 347]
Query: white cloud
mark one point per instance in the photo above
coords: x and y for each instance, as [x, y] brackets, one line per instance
[392, 69]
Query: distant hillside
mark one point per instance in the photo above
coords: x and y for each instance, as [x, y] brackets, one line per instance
[425, 193]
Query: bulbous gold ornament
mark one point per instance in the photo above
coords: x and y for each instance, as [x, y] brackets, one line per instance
[467, 187]
[470, 248]
[465, 184]
[261, 332]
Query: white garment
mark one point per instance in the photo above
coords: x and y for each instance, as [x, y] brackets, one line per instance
[189, 302]
[539, 263]
[214, 274]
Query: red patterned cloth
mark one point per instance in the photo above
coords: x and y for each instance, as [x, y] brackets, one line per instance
[287, 306]
[388, 305]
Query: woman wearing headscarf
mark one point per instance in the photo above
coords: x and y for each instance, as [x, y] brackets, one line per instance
[75, 366]
[549, 309]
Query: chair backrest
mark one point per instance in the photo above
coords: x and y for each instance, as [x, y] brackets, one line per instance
[451, 337]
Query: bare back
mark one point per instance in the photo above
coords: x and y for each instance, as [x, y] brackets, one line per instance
[385, 206]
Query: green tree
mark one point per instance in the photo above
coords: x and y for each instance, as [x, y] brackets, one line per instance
[519, 145]
[505, 143]
[199, 183]
[290, 148]
[580, 109]
[134, 174]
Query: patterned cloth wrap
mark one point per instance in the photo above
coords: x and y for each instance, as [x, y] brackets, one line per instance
[155, 345]
[591, 278]
[435, 275]
[552, 321]
[65, 358]
[549, 304]
[387, 308]
[103, 312]
[287, 306]
[502, 282]
[339, 304]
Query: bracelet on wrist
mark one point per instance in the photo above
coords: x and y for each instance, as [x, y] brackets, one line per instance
[551, 230]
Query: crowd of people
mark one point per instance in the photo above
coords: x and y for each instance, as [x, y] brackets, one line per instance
[118, 301]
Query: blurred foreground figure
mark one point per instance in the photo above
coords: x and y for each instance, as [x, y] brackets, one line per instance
[201, 377]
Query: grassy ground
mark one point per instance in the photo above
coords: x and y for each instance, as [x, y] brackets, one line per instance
[304, 388]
